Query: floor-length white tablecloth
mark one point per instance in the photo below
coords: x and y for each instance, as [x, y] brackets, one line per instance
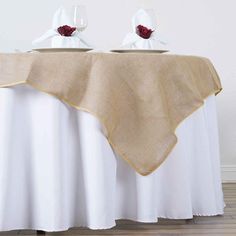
[58, 171]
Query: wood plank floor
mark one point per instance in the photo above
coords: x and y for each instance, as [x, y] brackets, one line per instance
[217, 225]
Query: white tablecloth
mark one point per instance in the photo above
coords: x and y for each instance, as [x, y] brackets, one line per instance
[58, 171]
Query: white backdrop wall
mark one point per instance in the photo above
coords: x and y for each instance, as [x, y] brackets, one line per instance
[197, 27]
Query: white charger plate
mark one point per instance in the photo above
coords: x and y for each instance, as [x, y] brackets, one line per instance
[138, 51]
[62, 49]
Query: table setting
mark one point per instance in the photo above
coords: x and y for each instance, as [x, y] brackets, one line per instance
[66, 31]
[89, 137]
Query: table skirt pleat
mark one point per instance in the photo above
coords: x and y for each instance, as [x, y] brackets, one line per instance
[57, 169]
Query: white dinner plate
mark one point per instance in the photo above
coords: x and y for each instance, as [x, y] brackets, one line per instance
[62, 49]
[138, 51]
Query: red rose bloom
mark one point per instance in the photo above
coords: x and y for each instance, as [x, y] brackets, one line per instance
[144, 32]
[66, 30]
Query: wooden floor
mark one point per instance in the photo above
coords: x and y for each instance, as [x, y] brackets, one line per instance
[216, 225]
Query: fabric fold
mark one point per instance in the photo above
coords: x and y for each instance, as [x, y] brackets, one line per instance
[61, 18]
[134, 41]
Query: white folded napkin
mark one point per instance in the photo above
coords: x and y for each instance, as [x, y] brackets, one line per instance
[61, 18]
[134, 41]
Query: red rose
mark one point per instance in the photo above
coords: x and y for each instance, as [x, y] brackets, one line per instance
[144, 32]
[66, 30]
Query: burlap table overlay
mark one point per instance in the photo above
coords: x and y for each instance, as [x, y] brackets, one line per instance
[139, 98]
